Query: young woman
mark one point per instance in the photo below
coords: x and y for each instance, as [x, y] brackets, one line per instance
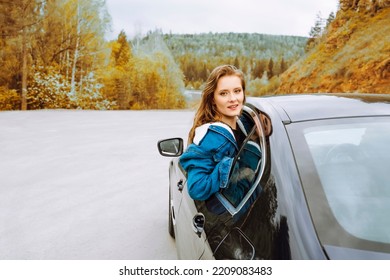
[216, 134]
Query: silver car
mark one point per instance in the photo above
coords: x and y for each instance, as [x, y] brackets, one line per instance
[322, 184]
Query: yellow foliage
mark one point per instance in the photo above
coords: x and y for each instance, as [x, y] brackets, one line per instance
[352, 57]
[9, 99]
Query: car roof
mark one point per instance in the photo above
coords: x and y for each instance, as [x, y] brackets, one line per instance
[304, 107]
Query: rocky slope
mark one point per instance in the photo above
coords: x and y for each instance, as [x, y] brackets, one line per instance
[352, 56]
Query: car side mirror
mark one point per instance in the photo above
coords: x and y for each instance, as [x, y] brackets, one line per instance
[172, 147]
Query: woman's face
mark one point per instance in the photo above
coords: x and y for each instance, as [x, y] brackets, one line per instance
[229, 98]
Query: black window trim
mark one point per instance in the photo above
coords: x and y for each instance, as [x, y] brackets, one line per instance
[225, 202]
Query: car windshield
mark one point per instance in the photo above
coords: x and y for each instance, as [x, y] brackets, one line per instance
[345, 171]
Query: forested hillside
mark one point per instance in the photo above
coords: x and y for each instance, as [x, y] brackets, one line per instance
[351, 55]
[257, 55]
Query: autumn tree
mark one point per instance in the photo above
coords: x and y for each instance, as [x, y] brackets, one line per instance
[157, 81]
[346, 4]
[19, 23]
[117, 76]
[45, 39]
[71, 43]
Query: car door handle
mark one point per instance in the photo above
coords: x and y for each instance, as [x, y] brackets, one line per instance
[180, 185]
[198, 222]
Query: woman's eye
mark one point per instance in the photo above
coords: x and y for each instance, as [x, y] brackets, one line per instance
[237, 91]
[223, 93]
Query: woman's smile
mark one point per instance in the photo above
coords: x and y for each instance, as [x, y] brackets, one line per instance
[233, 107]
[229, 98]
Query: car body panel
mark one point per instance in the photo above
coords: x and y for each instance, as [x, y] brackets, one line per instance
[332, 106]
[291, 200]
[184, 233]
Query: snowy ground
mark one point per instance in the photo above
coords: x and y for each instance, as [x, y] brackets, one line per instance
[86, 184]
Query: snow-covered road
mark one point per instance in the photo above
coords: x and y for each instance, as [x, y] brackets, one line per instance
[86, 184]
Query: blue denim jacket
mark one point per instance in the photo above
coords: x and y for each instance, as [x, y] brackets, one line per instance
[208, 160]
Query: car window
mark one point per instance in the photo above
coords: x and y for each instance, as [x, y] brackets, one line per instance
[354, 175]
[247, 168]
[344, 166]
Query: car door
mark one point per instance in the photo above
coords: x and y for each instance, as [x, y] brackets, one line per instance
[185, 223]
[177, 180]
[191, 238]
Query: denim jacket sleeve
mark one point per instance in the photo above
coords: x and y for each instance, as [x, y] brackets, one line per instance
[208, 163]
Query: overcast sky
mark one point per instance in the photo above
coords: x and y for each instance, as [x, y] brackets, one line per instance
[277, 17]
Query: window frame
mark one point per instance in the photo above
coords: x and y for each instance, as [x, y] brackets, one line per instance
[255, 115]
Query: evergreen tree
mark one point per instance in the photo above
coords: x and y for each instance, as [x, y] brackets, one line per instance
[316, 30]
[283, 66]
[330, 19]
[270, 68]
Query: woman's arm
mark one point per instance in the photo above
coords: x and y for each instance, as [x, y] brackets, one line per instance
[207, 165]
[206, 177]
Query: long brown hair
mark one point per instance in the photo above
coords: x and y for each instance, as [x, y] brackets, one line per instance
[207, 111]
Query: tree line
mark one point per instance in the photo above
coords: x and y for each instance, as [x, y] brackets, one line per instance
[261, 57]
[54, 54]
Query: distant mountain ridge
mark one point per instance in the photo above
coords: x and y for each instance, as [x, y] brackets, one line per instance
[352, 56]
[253, 53]
[236, 44]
